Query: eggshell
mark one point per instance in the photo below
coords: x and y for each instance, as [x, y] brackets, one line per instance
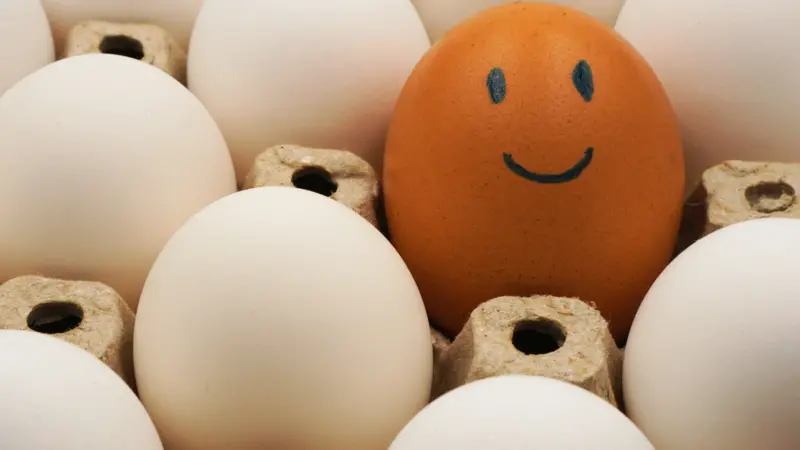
[727, 69]
[102, 158]
[25, 40]
[176, 16]
[520, 412]
[56, 395]
[279, 318]
[533, 151]
[316, 73]
[439, 16]
[712, 359]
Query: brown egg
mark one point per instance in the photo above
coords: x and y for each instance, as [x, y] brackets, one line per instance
[533, 151]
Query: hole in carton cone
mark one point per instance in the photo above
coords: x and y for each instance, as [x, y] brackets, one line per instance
[55, 317]
[315, 179]
[770, 197]
[538, 337]
[122, 45]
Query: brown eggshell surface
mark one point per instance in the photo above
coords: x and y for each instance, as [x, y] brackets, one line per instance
[540, 90]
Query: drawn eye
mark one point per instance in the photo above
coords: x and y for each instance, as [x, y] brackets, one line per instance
[583, 81]
[496, 83]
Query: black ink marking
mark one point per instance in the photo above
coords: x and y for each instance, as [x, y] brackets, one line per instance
[496, 83]
[583, 80]
[550, 178]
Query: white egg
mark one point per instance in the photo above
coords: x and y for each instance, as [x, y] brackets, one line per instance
[711, 360]
[25, 40]
[102, 158]
[439, 16]
[279, 318]
[176, 16]
[56, 395]
[730, 70]
[317, 73]
[518, 412]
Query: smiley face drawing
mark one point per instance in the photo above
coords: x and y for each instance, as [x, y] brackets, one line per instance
[584, 84]
[533, 151]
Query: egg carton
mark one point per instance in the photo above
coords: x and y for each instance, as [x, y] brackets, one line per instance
[557, 337]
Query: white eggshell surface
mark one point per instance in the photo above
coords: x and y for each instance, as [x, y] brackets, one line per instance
[317, 73]
[102, 158]
[439, 16]
[279, 318]
[730, 70]
[175, 16]
[58, 396]
[519, 412]
[712, 361]
[25, 40]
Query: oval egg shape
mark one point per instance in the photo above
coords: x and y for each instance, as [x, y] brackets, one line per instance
[729, 69]
[317, 73]
[102, 158]
[325, 340]
[729, 381]
[533, 151]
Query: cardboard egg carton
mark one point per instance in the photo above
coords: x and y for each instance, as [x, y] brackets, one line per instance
[148, 43]
[88, 314]
[736, 191]
[555, 337]
[338, 174]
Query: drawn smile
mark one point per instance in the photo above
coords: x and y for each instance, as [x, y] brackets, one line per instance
[550, 178]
